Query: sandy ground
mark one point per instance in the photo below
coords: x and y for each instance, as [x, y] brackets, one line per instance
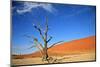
[89, 56]
[73, 51]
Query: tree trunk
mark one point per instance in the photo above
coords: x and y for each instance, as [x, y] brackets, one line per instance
[45, 57]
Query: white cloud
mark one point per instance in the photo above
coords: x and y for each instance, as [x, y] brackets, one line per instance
[28, 6]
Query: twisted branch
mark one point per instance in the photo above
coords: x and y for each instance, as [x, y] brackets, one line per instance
[54, 44]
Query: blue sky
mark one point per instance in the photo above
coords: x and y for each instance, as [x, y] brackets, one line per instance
[66, 22]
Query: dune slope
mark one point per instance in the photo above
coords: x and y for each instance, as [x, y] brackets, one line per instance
[78, 46]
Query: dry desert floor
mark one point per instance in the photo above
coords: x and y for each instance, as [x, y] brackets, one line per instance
[90, 56]
[74, 51]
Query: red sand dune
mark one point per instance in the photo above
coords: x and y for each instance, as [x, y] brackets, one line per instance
[73, 47]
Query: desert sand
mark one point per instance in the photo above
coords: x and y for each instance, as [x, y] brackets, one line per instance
[73, 51]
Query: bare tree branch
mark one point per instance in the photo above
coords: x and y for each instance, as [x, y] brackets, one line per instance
[39, 25]
[41, 50]
[35, 39]
[49, 39]
[54, 44]
[46, 29]
[38, 47]
[37, 44]
[39, 30]
[31, 46]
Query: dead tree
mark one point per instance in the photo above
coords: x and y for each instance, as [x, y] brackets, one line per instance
[43, 48]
